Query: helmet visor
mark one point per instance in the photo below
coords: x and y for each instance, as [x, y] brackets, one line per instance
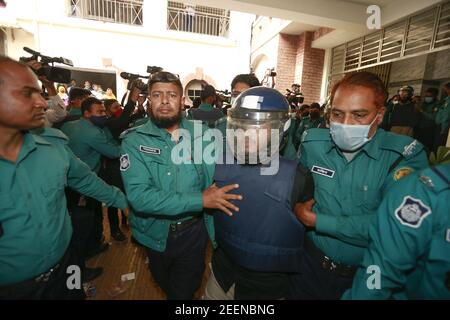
[255, 141]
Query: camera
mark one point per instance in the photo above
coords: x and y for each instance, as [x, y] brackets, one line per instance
[52, 73]
[294, 96]
[131, 77]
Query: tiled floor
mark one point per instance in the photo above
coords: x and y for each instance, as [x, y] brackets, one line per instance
[123, 258]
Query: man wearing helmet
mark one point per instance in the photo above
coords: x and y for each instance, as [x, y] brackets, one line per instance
[259, 245]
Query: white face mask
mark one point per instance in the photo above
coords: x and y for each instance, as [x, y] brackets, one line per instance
[350, 137]
[429, 99]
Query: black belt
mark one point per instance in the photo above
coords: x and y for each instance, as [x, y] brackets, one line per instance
[183, 225]
[42, 278]
[346, 271]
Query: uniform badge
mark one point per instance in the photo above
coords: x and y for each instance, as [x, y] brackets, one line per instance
[323, 171]
[412, 212]
[149, 150]
[447, 235]
[402, 172]
[426, 181]
[124, 162]
[409, 149]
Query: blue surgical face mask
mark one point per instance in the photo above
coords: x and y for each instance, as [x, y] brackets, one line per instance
[350, 137]
[428, 99]
[99, 121]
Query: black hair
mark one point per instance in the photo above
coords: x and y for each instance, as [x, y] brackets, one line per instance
[249, 78]
[77, 93]
[208, 91]
[87, 104]
[108, 103]
[315, 105]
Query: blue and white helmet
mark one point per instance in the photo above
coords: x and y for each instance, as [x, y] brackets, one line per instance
[263, 110]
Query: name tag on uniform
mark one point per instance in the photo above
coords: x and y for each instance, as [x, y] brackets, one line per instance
[447, 236]
[149, 150]
[323, 171]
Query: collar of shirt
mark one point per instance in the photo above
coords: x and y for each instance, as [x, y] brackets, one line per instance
[151, 129]
[371, 148]
[29, 145]
[205, 107]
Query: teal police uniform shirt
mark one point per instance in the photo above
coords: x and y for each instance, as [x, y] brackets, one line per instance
[89, 142]
[159, 190]
[410, 243]
[33, 213]
[428, 116]
[347, 194]
[443, 115]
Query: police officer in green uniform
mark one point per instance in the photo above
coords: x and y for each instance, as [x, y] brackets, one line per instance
[313, 120]
[409, 252]
[169, 189]
[206, 111]
[443, 119]
[35, 227]
[425, 129]
[89, 140]
[352, 164]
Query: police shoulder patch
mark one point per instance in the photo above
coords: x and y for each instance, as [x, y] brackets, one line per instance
[124, 133]
[411, 212]
[149, 150]
[124, 162]
[402, 172]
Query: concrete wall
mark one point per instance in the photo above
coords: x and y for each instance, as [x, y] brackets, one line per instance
[421, 72]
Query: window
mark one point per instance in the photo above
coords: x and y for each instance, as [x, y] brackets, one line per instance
[194, 89]
[197, 19]
[118, 11]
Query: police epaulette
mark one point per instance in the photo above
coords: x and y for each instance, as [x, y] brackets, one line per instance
[124, 133]
[316, 134]
[50, 133]
[401, 144]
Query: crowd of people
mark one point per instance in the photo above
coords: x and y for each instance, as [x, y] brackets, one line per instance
[353, 189]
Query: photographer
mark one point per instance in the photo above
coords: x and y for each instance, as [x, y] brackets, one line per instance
[56, 109]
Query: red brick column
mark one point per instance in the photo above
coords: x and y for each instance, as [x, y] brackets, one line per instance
[299, 63]
[287, 54]
[311, 76]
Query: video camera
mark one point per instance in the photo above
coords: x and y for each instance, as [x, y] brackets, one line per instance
[224, 96]
[52, 73]
[131, 77]
[294, 96]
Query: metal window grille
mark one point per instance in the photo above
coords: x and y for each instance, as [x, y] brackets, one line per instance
[423, 32]
[117, 11]
[198, 19]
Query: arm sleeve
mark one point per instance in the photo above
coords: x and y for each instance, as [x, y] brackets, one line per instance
[125, 118]
[354, 229]
[56, 111]
[303, 186]
[395, 247]
[145, 197]
[107, 147]
[351, 229]
[86, 182]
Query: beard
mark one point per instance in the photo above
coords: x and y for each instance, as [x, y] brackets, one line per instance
[165, 122]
